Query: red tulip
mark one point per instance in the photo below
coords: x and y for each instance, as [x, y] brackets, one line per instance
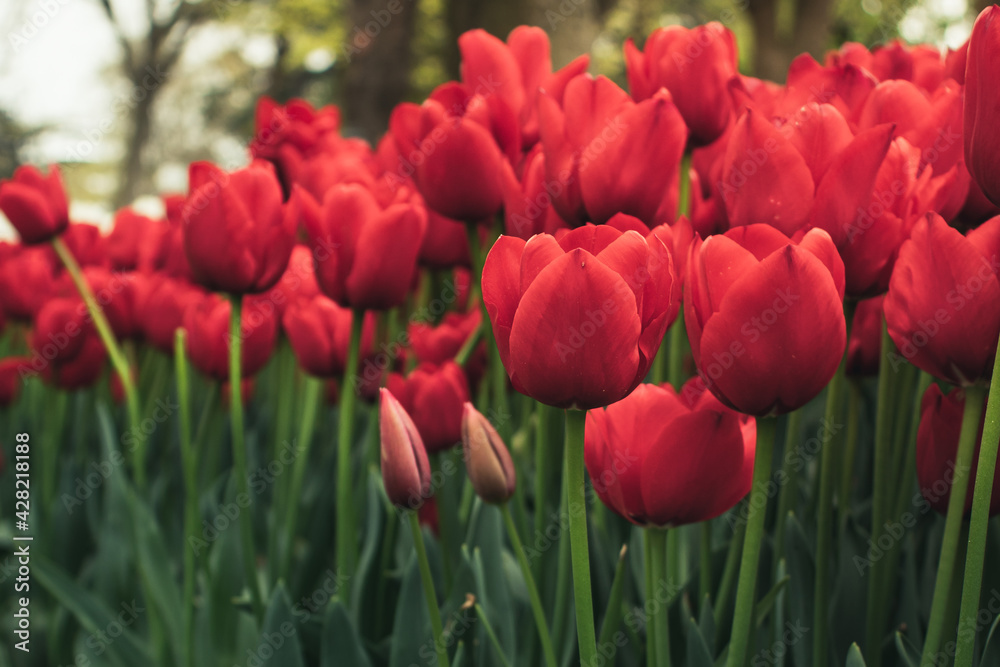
[11, 371]
[605, 154]
[66, 348]
[298, 280]
[320, 331]
[937, 448]
[454, 145]
[943, 305]
[86, 244]
[162, 312]
[406, 472]
[27, 277]
[663, 459]
[366, 256]
[237, 234]
[865, 344]
[287, 135]
[36, 205]
[491, 470]
[136, 242]
[765, 317]
[528, 208]
[982, 100]
[695, 66]
[207, 324]
[515, 72]
[433, 396]
[579, 320]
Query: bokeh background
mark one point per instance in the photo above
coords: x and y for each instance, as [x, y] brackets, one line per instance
[125, 93]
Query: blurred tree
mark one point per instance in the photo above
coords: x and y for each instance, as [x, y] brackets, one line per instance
[13, 137]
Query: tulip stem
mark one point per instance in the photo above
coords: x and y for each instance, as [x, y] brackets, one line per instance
[850, 451]
[428, 583]
[757, 511]
[469, 345]
[346, 535]
[953, 522]
[529, 580]
[579, 546]
[705, 553]
[189, 461]
[790, 486]
[982, 495]
[659, 623]
[313, 395]
[824, 520]
[240, 453]
[880, 492]
[115, 354]
[650, 580]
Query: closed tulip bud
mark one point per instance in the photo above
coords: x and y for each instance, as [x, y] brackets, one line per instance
[406, 472]
[490, 467]
[937, 448]
[982, 99]
[11, 369]
[35, 204]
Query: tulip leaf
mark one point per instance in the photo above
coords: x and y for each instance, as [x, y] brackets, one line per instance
[91, 613]
[854, 657]
[411, 628]
[340, 643]
[906, 650]
[991, 654]
[706, 621]
[800, 590]
[486, 537]
[765, 605]
[279, 636]
[698, 653]
[367, 576]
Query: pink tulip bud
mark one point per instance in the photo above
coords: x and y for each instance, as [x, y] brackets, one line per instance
[406, 472]
[486, 458]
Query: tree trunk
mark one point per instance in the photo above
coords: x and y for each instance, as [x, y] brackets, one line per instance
[770, 60]
[380, 60]
[141, 123]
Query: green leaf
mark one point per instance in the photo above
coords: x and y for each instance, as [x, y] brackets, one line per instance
[486, 537]
[991, 654]
[706, 621]
[279, 635]
[92, 614]
[854, 658]
[698, 654]
[907, 652]
[340, 643]
[766, 604]
[411, 629]
[800, 591]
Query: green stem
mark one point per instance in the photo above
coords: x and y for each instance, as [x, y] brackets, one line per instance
[240, 454]
[346, 535]
[470, 344]
[429, 594]
[850, 451]
[953, 522]
[678, 346]
[824, 522]
[313, 396]
[491, 635]
[881, 475]
[705, 553]
[789, 487]
[529, 580]
[746, 588]
[447, 542]
[982, 495]
[580, 550]
[659, 623]
[652, 660]
[189, 461]
[729, 572]
[613, 614]
[115, 354]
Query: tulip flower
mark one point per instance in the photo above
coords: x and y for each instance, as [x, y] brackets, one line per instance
[35, 204]
[11, 370]
[406, 471]
[289, 135]
[605, 154]
[578, 321]
[319, 332]
[515, 72]
[865, 343]
[366, 256]
[66, 348]
[433, 396]
[298, 281]
[454, 145]
[207, 323]
[695, 66]
[86, 244]
[162, 312]
[765, 317]
[491, 470]
[943, 305]
[982, 99]
[659, 458]
[528, 208]
[937, 447]
[237, 234]
[130, 245]
[27, 276]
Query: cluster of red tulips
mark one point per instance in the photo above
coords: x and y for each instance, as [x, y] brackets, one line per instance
[674, 265]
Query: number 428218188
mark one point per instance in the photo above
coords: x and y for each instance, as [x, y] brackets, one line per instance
[22, 469]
